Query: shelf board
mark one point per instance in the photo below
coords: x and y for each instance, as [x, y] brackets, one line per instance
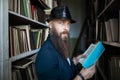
[17, 19]
[113, 5]
[23, 55]
[115, 44]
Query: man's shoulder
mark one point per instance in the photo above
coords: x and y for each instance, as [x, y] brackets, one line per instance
[48, 45]
[48, 48]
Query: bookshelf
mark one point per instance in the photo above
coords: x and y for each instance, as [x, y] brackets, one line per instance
[107, 27]
[19, 19]
[9, 17]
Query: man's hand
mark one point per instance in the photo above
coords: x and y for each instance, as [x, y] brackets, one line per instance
[76, 59]
[86, 73]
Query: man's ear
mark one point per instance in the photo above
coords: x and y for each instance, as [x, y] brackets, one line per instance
[50, 24]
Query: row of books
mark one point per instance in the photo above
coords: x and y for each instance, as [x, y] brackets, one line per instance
[109, 30]
[51, 4]
[112, 30]
[26, 8]
[24, 70]
[23, 38]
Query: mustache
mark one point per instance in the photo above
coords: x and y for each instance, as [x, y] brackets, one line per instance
[65, 32]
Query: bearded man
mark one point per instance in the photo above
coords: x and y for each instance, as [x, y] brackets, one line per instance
[53, 60]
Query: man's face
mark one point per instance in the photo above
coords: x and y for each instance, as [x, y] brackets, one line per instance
[59, 33]
[62, 27]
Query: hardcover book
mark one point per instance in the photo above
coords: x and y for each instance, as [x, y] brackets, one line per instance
[92, 54]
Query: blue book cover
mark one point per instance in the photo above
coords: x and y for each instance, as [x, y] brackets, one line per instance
[92, 54]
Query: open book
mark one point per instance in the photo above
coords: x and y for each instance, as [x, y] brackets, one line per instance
[92, 54]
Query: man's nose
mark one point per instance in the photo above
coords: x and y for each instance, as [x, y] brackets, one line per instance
[66, 27]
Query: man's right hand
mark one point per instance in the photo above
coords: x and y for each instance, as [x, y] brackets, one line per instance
[76, 59]
[88, 72]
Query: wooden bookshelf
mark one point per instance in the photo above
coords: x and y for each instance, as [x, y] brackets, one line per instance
[9, 18]
[112, 48]
[20, 19]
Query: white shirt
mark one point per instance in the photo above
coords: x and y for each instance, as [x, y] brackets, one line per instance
[68, 61]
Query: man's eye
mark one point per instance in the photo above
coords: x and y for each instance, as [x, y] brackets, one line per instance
[69, 24]
[60, 22]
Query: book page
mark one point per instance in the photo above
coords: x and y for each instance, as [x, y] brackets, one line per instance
[87, 53]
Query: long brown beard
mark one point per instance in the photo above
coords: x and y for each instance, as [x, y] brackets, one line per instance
[61, 45]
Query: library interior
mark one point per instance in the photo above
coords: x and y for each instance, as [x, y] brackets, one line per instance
[25, 30]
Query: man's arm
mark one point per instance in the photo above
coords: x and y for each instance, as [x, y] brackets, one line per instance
[86, 73]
